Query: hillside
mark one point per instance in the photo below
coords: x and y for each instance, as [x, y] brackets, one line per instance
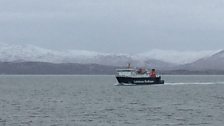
[211, 63]
[29, 59]
[52, 68]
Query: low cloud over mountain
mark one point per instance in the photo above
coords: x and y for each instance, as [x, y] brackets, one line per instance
[214, 62]
[159, 59]
[33, 53]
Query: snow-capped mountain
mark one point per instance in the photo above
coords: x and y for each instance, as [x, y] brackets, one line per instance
[177, 57]
[214, 62]
[17, 53]
[155, 58]
[12, 53]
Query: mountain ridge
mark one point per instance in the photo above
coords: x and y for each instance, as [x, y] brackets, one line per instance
[17, 56]
[33, 53]
[213, 62]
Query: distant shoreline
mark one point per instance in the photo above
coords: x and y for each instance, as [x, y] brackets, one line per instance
[100, 74]
[44, 68]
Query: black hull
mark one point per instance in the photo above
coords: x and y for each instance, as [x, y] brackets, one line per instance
[140, 80]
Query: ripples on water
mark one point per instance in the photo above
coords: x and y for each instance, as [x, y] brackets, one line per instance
[95, 101]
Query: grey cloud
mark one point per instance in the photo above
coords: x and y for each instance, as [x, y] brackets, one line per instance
[114, 26]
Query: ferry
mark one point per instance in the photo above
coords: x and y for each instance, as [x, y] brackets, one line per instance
[131, 76]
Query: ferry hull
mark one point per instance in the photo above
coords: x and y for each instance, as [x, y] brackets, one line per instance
[139, 80]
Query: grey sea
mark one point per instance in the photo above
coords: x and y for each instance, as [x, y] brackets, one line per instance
[96, 101]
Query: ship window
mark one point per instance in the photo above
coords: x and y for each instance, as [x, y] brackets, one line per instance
[126, 72]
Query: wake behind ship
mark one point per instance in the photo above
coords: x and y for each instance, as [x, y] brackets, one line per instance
[137, 77]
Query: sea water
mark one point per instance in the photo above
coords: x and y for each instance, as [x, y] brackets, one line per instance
[95, 101]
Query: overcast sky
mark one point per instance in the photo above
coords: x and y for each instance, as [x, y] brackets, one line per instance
[124, 26]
